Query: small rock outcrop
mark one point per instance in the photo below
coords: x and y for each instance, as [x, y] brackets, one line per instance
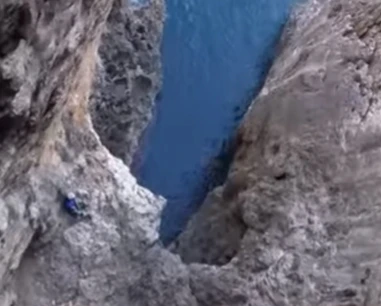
[129, 75]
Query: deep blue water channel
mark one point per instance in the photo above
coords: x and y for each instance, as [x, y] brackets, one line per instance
[216, 54]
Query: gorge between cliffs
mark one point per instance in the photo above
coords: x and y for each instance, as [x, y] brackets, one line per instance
[294, 216]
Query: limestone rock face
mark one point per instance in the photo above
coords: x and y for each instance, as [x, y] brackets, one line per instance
[48, 147]
[41, 47]
[298, 220]
[129, 75]
[296, 223]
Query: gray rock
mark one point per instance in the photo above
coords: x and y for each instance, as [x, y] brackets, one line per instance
[41, 47]
[296, 223]
[129, 75]
[302, 197]
[48, 147]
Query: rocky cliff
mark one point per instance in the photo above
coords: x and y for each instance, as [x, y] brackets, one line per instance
[48, 147]
[129, 75]
[296, 222]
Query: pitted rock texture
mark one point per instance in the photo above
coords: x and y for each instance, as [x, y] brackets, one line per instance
[42, 45]
[47, 148]
[129, 75]
[303, 194]
[297, 222]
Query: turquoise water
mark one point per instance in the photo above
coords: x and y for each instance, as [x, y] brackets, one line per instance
[216, 54]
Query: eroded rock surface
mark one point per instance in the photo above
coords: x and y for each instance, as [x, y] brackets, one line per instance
[296, 223]
[48, 52]
[301, 210]
[129, 75]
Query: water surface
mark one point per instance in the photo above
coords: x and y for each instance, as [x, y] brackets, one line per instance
[215, 56]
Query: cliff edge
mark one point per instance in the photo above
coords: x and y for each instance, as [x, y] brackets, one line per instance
[297, 221]
[128, 76]
[48, 147]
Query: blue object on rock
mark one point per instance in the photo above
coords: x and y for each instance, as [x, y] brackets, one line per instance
[71, 206]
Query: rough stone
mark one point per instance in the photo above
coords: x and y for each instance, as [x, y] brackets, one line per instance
[129, 75]
[48, 147]
[296, 223]
[41, 47]
[307, 216]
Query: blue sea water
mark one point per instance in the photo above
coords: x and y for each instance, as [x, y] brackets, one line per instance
[216, 54]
